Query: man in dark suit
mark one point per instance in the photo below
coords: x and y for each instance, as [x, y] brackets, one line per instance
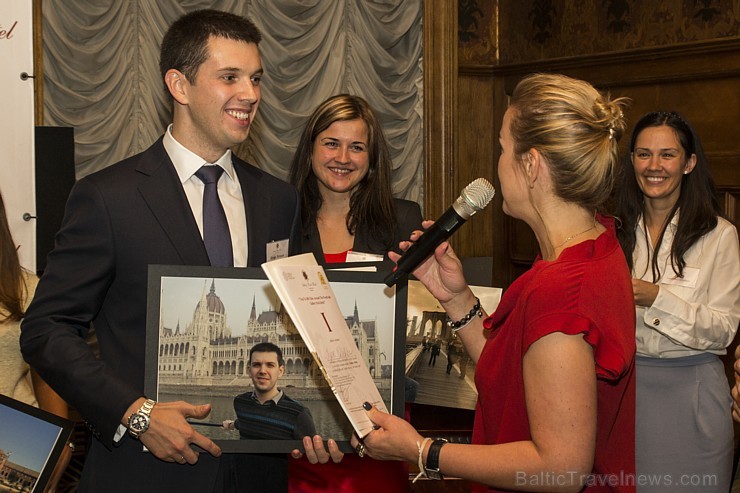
[148, 209]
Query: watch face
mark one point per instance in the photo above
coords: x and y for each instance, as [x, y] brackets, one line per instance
[139, 423]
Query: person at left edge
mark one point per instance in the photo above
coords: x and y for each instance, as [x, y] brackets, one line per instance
[147, 210]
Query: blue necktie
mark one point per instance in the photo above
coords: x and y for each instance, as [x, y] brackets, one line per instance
[216, 235]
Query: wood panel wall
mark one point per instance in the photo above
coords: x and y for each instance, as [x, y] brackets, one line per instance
[700, 80]
[662, 55]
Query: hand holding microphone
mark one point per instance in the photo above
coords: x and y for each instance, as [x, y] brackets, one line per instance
[475, 197]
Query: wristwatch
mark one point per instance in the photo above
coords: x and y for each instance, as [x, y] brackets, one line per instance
[138, 422]
[432, 466]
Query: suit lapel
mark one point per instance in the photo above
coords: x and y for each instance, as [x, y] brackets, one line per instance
[161, 189]
[312, 240]
[257, 210]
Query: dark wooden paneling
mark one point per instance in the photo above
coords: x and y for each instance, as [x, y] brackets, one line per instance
[700, 80]
[730, 198]
[545, 29]
[440, 105]
[476, 159]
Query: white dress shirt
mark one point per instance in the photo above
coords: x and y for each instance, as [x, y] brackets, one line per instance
[699, 312]
[229, 192]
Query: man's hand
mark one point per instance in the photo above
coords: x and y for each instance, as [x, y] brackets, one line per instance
[228, 424]
[170, 436]
[317, 453]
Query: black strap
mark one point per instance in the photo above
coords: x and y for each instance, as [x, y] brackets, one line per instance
[432, 465]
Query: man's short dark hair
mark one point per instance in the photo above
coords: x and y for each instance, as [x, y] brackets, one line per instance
[185, 44]
[267, 347]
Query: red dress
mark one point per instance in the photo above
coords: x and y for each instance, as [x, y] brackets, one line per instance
[588, 291]
[353, 474]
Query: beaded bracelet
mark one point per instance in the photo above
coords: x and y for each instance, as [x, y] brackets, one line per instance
[476, 310]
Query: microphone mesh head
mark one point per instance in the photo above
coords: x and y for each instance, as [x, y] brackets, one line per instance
[474, 197]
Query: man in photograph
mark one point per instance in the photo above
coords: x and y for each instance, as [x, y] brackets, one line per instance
[267, 413]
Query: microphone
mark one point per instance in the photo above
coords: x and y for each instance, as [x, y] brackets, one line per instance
[475, 197]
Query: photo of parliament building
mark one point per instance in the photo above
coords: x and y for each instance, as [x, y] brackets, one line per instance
[205, 352]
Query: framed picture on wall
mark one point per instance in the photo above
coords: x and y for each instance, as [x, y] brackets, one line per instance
[203, 321]
[31, 443]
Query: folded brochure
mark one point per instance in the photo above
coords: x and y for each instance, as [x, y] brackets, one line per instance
[303, 288]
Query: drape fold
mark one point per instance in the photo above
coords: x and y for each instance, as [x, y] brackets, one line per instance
[101, 74]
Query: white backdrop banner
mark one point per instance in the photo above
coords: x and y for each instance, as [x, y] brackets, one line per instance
[17, 125]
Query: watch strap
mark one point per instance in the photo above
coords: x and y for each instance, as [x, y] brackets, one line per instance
[432, 465]
[147, 407]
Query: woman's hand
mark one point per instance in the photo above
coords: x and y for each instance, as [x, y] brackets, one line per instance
[316, 453]
[441, 273]
[394, 439]
[644, 292]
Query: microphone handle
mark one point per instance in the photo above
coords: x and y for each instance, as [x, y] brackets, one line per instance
[442, 229]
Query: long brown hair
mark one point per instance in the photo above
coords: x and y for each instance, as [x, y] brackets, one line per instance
[12, 287]
[371, 204]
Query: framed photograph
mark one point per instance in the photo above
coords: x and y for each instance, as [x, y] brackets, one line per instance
[31, 442]
[436, 360]
[203, 321]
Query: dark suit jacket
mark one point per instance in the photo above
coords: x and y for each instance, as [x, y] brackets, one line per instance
[408, 217]
[117, 222]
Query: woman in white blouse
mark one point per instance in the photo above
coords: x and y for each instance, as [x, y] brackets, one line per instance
[686, 268]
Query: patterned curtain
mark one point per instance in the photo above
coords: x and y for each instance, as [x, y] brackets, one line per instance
[101, 74]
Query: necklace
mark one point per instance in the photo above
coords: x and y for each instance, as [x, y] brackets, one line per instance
[575, 236]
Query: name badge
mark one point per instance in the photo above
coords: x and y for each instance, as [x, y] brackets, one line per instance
[689, 279]
[276, 249]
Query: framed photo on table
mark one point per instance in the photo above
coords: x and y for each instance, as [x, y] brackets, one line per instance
[203, 321]
[31, 443]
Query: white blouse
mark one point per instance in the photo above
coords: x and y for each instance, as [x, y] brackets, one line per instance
[699, 312]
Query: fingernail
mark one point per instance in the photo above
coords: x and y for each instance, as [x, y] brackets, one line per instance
[367, 406]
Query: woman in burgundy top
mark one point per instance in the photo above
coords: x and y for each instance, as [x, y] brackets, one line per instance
[342, 170]
[555, 362]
